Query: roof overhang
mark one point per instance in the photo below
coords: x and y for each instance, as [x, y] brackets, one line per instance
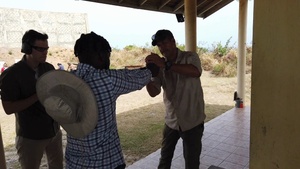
[205, 8]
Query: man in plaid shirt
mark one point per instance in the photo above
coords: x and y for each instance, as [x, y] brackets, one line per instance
[101, 148]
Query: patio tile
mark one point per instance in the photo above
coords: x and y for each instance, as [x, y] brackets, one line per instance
[229, 165]
[237, 159]
[225, 144]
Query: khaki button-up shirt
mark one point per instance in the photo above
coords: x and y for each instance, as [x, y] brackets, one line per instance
[182, 95]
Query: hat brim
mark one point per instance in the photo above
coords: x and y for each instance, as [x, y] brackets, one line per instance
[89, 110]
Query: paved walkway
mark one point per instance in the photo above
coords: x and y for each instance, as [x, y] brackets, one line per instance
[225, 144]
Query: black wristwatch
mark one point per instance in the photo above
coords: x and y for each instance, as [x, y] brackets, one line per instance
[168, 65]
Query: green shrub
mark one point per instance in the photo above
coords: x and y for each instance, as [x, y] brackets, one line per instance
[201, 50]
[130, 47]
[218, 69]
[220, 50]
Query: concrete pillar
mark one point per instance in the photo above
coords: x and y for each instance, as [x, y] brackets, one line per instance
[190, 16]
[275, 86]
[241, 65]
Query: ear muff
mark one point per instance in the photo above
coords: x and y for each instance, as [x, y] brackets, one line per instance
[26, 48]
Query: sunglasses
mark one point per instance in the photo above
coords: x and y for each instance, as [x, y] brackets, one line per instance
[40, 49]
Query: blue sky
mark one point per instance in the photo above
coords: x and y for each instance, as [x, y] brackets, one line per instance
[126, 26]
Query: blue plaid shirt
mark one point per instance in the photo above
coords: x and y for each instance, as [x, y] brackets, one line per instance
[101, 149]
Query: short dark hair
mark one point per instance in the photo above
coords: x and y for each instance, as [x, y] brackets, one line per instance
[89, 45]
[31, 36]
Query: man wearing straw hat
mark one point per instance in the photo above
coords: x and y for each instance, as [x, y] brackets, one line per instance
[88, 114]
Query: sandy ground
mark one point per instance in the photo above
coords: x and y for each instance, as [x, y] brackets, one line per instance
[217, 91]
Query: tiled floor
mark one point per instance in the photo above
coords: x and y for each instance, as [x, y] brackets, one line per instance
[225, 144]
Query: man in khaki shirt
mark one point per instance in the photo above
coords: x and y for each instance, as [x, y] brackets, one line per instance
[179, 76]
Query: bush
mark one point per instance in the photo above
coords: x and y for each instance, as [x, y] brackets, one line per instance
[220, 50]
[207, 61]
[218, 69]
[221, 61]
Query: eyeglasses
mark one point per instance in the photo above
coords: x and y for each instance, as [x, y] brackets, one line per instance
[40, 49]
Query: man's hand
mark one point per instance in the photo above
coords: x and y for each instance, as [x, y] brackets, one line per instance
[156, 59]
[153, 68]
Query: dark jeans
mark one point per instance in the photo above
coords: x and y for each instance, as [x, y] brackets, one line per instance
[192, 146]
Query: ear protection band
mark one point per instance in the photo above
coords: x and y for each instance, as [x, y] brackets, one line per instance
[26, 47]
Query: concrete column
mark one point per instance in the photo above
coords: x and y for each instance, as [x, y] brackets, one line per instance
[242, 32]
[275, 89]
[190, 16]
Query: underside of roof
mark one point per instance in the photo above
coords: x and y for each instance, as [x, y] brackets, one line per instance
[204, 7]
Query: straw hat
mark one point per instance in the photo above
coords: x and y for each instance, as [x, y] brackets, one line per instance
[69, 101]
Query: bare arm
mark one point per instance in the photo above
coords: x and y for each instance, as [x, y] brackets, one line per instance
[17, 106]
[184, 69]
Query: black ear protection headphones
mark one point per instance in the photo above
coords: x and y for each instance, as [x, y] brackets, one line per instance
[26, 47]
